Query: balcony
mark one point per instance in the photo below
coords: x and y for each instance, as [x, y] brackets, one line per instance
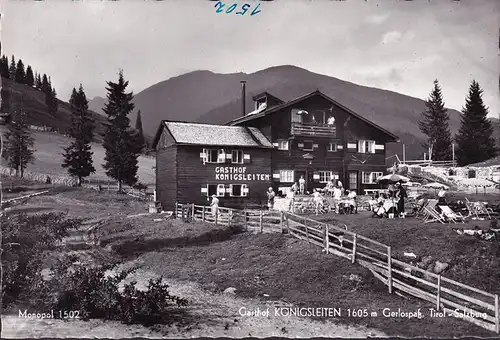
[313, 130]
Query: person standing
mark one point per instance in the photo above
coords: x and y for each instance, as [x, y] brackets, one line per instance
[337, 194]
[352, 201]
[318, 201]
[401, 194]
[270, 198]
[295, 188]
[215, 205]
[302, 185]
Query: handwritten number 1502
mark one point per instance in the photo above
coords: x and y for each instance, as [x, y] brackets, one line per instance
[220, 5]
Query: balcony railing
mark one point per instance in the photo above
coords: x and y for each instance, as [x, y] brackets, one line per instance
[313, 130]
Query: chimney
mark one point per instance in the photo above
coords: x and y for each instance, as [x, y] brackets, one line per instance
[243, 97]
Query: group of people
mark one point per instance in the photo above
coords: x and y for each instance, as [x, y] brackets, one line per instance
[393, 201]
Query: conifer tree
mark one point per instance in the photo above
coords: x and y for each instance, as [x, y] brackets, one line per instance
[6, 103]
[38, 82]
[30, 78]
[12, 69]
[45, 84]
[140, 134]
[19, 151]
[4, 67]
[78, 155]
[120, 141]
[20, 76]
[434, 124]
[475, 142]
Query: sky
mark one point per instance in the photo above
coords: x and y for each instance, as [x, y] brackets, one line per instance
[394, 45]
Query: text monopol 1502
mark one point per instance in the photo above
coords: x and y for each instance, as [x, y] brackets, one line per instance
[60, 314]
[234, 9]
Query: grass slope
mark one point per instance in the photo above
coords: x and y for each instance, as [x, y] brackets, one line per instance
[49, 148]
[34, 104]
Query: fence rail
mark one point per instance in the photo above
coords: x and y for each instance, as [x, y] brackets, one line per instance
[449, 296]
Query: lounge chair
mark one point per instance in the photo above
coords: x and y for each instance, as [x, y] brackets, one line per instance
[431, 215]
[478, 210]
[450, 215]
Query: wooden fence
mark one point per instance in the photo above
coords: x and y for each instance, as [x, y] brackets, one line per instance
[447, 296]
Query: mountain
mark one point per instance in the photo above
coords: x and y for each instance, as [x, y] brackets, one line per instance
[204, 96]
[34, 104]
[97, 104]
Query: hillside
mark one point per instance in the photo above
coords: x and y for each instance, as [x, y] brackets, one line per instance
[48, 158]
[34, 103]
[205, 96]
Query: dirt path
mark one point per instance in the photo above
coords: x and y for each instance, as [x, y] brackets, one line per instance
[212, 315]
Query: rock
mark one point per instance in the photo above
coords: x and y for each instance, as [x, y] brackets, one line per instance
[230, 291]
[440, 267]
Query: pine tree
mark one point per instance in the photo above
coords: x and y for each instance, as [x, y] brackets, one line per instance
[30, 78]
[12, 69]
[140, 134]
[20, 76]
[38, 82]
[19, 150]
[475, 136]
[120, 141]
[78, 155]
[434, 124]
[54, 104]
[4, 67]
[45, 84]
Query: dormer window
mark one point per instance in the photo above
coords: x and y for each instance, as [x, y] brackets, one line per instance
[260, 102]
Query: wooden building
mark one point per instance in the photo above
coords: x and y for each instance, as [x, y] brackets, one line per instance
[195, 161]
[318, 138]
[274, 145]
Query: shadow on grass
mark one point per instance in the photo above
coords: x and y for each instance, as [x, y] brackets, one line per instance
[138, 246]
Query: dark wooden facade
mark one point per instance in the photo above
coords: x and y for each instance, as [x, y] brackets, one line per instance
[184, 174]
[305, 125]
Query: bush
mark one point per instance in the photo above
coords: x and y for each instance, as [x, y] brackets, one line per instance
[95, 293]
[27, 240]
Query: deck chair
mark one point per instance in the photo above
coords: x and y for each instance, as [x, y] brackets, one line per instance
[478, 210]
[431, 215]
[450, 215]
[419, 208]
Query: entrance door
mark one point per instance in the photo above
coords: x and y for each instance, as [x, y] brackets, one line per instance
[299, 174]
[353, 180]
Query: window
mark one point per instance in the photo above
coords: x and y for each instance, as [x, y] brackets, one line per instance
[332, 147]
[286, 176]
[308, 146]
[371, 177]
[325, 176]
[282, 145]
[214, 155]
[238, 190]
[237, 157]
[353, 180]
[212, 190]
[366, 146]
[471, 173]
[221, 190]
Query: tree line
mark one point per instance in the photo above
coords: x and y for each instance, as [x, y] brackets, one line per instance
[17, 72]
[122, 143]
[474, 139]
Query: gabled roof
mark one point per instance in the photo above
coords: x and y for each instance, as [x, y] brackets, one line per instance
[185, 133]
[266, 94]
[304, 97]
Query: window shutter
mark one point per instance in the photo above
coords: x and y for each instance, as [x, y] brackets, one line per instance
[276, 175]
[276, 144]
[203, 156]
[340, 147]
[204, 190]
[316, 176]
[371, 146]
[300, 145]
[246, 158]
[352, 147]
[244, 190]
[221, 191]
[229, 157]
[229, 189]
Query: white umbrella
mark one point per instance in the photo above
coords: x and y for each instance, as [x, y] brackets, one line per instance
[436, 185]
[392, 178]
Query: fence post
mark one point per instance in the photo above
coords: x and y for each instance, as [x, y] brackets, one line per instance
[353, 259]
[216, 216]
[497, 315]
[192, 211]
[230, 217]
[281, 221]
[176, 209]
[203, 213]
[327, 240]
[260, 222]
[287, 224]
[245, 217]
[389, 267]
[307, 232]
[438, 302]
